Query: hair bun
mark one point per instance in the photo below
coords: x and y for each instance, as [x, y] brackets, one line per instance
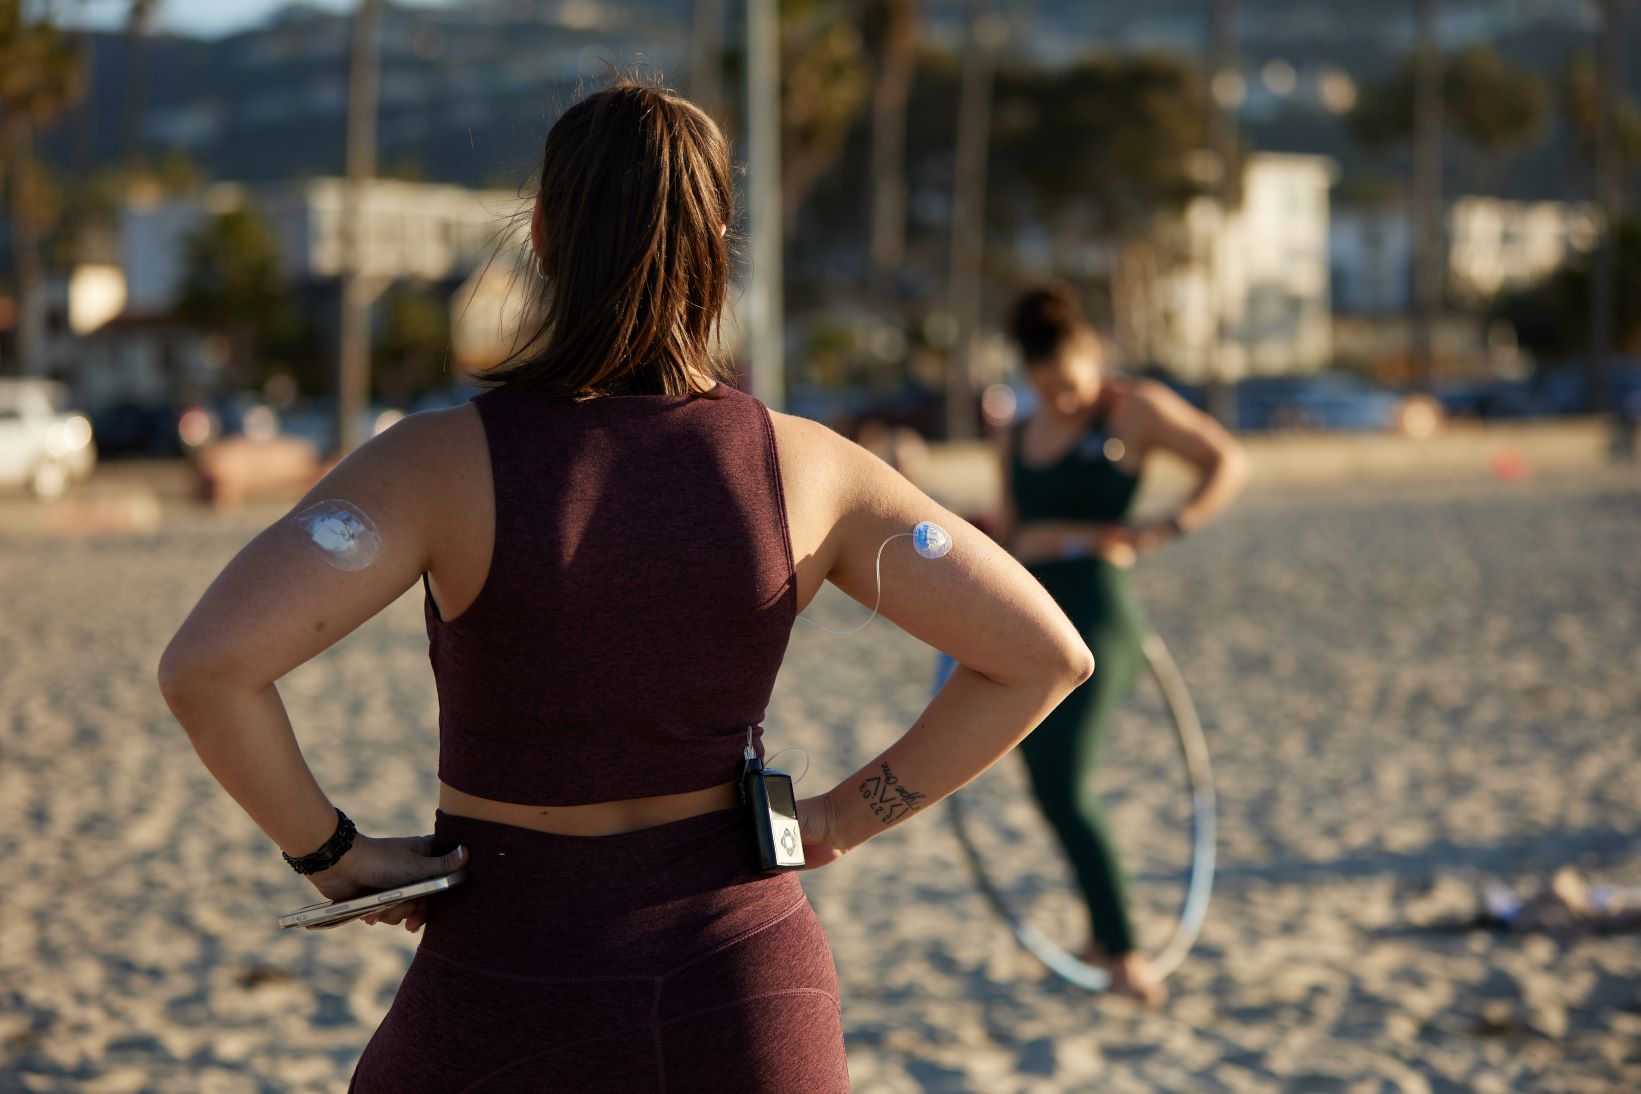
[1045, 318]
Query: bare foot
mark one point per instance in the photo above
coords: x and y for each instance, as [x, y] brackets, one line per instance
[1131, 976]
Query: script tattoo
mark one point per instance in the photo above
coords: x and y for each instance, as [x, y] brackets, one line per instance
[888, 798]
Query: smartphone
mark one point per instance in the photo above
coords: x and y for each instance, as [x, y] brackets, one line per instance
[774, 810]
[334, 913]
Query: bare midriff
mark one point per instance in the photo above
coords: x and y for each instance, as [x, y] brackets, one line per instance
[598, 819]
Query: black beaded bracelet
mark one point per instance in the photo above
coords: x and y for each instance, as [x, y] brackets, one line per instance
[1176, 527]
[332, 851]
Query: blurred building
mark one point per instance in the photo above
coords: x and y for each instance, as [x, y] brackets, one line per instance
[1493, 245]
[411, 231]
[1255, 279]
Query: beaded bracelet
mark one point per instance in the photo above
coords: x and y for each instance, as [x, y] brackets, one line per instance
[331, 852]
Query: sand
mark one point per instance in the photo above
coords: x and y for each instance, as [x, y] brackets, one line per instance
[1407, 688]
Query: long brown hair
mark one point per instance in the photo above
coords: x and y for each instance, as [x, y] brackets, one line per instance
[636, 188]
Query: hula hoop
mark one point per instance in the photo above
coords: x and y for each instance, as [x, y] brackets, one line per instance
[1194, 910]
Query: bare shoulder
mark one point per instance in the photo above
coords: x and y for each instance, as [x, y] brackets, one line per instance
[432, 435]
[424, 449]
[1154, 400]
[818, 459]
[806, 437]
[422, 469]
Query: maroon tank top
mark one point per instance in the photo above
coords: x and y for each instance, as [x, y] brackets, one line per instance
[639, 601]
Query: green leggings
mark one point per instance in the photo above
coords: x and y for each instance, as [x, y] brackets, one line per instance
[1061, 753]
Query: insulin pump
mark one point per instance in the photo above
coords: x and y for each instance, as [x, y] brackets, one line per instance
[767, 796]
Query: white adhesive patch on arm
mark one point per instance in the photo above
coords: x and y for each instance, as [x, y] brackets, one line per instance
[342, 534]
[929, 540]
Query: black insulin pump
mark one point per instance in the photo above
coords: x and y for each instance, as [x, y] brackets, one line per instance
[773, 810]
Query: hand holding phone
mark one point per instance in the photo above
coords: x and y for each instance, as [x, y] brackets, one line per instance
[334, 913]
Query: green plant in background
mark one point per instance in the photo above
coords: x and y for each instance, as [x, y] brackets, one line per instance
[231, 286]
[1498, 109]
[412, 343]
[1099, 153]
[41, 75]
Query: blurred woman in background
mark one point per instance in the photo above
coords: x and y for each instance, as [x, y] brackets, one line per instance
[1070, 474]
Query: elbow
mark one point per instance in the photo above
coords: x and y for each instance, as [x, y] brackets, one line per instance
[1233, 466]
[184, 675]
[1079, 664]
[176, 676]
[1069, 664]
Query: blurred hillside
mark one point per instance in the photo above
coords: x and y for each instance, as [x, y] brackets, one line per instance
[468, 90]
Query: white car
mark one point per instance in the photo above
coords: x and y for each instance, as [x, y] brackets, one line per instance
[43, 446]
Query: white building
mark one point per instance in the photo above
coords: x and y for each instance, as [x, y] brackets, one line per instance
[1268, 260]
[1496, 245]
[411, 230]
[1492, 245]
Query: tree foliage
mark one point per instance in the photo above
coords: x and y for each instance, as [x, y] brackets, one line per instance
[1579, 92]
[231, 284]
[1110, 142]
[413, 343]
[825, 83]
[1495, 107]
[41, 70]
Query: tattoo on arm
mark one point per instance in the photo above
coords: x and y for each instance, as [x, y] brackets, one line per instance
[890, 799]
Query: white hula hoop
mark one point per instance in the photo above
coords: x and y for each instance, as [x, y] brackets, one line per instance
[1194, 910]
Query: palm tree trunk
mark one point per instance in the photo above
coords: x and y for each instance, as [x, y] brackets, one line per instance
[1609, 193]
[766, 337]
[353, 357]
[1223, 72]
[986, 32]
[706, 64]
[897, 65]
[25, 247]
[1429, 252]
[137, 27]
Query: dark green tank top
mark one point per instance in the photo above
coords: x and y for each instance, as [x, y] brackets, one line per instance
[1084, 484]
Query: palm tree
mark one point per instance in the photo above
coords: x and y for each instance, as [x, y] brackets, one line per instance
[1222, 144]
[986, 32]
[41, 75]
[1609, 182]
[1427, 195]
[138, 24]
[353, 364]
[895, 27]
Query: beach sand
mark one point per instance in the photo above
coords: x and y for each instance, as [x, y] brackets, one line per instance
[1406, 688]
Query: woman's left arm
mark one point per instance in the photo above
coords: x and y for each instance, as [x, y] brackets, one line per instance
[1171, 424]
[353, 545]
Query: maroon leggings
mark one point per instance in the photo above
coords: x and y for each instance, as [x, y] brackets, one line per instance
[655, 960]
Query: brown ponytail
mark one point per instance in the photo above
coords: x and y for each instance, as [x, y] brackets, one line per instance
[636, 186]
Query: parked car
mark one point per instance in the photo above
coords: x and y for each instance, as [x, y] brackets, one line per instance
[44, 446]
[1317, 400]
[1490, 399]
[1566, 390]
[137, 430]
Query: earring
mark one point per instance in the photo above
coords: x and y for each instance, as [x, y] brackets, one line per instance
[539, 267]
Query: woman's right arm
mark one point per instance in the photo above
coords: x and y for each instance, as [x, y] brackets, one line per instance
[1018, 655]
